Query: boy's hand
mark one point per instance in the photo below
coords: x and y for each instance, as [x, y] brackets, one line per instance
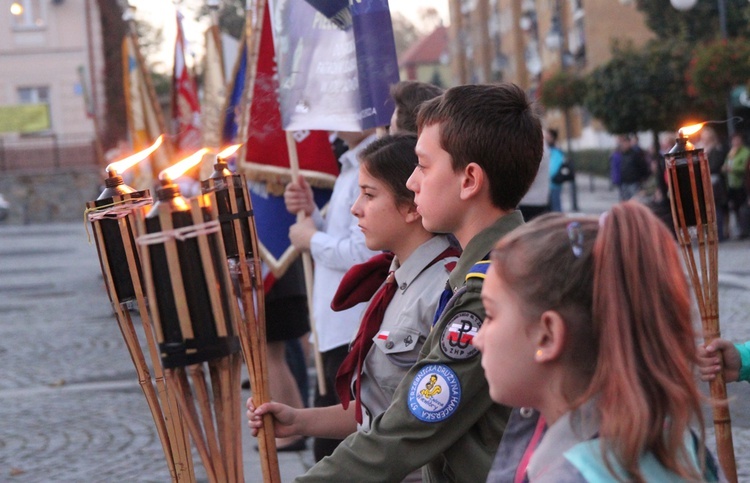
[709, 361]
[298, 196]
[301, 233]
[284, 418]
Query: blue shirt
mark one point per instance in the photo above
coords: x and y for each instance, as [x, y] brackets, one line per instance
[556, 160]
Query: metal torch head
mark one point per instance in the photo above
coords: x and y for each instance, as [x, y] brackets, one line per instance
[689, 181]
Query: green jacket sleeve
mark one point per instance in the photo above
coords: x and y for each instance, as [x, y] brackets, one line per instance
[458, 446]
[744, 350]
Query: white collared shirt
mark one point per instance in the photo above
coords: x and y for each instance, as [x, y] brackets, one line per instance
[336, 247]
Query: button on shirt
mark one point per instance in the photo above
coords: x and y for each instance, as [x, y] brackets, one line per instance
[335, 247]
[405, 326]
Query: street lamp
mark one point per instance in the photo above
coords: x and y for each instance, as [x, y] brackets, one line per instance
[684, 6]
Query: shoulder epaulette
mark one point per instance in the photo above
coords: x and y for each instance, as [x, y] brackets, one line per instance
[479, 270]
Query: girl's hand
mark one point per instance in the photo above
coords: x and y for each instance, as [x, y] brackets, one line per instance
[284, 418]
[709, 363]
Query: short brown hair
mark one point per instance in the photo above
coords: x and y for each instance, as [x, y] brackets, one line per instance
[408, 96]
[494, 126]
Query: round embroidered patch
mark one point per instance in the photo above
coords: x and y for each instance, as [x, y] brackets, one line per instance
[435, 393]
[455, 341]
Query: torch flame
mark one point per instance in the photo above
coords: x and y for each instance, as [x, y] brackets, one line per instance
[228, 151]
[123, 164]
[179, 168]
[690, 130]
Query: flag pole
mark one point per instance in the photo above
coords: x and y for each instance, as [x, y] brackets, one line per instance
[150, 91]
[251, 38]
[291, 145]
[253, 31]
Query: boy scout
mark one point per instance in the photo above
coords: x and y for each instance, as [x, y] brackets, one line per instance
[479, 150]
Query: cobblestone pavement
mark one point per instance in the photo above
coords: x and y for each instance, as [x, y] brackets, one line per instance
[70, 405]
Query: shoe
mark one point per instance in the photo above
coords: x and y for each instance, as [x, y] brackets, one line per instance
[299, 445]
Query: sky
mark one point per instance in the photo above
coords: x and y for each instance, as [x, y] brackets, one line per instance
[162, 12]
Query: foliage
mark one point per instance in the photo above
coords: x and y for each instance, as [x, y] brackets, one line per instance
[593, 161]
[150, 39]
[700, 23]
[231, 16]
[717, 67]
[641, 90]
[563, 90]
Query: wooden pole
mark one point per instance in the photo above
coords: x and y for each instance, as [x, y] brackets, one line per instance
[699, 246]
[252, 325]
[178, 424]
[252, 33]
[200, 387]
[178, 383]
[163, 411]
[291, 145]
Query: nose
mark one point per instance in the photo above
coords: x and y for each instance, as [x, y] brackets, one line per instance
[355, 209]
[411, 183]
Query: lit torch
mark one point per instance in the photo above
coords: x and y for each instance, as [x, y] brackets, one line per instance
[694, 216]
[194, 310]
[112, 221]
[228, 193]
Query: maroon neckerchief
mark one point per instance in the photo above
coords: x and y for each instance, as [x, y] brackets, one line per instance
[355, 287]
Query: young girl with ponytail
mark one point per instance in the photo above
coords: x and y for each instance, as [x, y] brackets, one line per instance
[589, 323]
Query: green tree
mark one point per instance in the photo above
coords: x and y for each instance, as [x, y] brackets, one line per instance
[716, 68]
[563, 90]
[642, 90]
[697, 24]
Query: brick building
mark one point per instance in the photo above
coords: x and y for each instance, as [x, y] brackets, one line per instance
[526, 41]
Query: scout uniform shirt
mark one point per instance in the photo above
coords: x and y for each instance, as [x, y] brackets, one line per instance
[406, 325]
[441, 416]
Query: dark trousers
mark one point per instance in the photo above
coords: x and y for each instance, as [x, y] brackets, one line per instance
[332, 360]
[295, 357]
[530, 212]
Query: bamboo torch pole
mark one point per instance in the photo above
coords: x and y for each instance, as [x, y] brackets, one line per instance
[694, 217]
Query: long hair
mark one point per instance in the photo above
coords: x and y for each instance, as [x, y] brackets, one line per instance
[625, 300]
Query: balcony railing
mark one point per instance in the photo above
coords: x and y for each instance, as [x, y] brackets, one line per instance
[40, 153]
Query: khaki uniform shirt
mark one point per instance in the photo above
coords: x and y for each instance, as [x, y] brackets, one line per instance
[406, 325]
[441, 416]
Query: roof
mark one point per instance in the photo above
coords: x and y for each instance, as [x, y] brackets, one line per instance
[428, 49]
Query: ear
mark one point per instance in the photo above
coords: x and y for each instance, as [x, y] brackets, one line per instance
[410, 214]
[550, 337]
[473, 181]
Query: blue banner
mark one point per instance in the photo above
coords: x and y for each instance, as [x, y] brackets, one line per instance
[333, 75]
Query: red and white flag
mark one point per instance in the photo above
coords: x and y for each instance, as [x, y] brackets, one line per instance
[186, 110]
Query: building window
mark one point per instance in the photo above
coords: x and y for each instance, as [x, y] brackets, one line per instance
[27, 14]
[33, 95]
